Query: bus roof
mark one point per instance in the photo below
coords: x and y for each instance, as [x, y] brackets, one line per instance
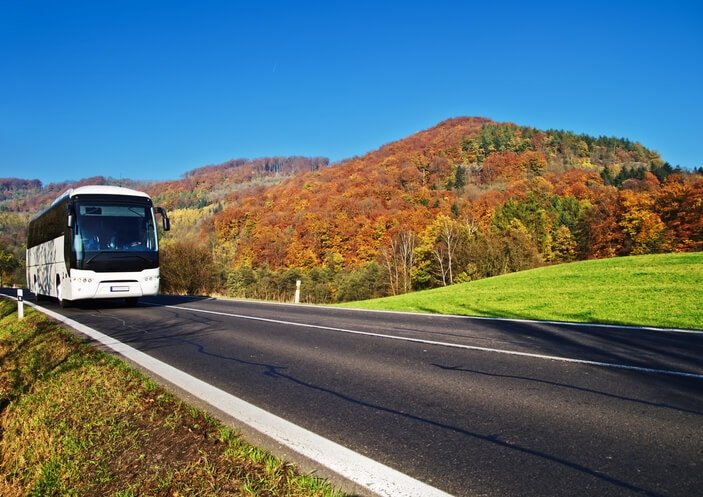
[101, 190]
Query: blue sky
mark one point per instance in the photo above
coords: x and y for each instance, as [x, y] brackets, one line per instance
[151, 89]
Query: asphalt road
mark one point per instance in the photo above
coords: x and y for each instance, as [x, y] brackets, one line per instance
[469, 406]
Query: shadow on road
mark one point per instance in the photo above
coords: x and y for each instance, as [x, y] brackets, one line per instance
[282, 372]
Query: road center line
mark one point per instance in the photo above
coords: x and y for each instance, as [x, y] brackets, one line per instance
[448, 344]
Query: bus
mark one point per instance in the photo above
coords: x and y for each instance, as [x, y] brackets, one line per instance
[95, 242]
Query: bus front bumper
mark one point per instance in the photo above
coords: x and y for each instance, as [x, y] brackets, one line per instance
[94, 286]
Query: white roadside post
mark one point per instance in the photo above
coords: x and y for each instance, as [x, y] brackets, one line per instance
[20, 303]
[297, 291]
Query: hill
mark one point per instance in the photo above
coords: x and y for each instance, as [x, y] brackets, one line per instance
[205, 187]
[650, 290]
[466, 168]
[466, 199]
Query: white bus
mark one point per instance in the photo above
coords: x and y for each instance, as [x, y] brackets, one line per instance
[95, 242]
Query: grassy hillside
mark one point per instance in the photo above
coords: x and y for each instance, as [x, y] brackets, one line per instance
[651, 290]
[75, 421]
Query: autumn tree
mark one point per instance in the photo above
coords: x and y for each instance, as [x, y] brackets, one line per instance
[679, 203]
[8, 264]
[643, 230]
[360, 283]
[520, 250]
[492, 253]
[398, 258]
[599, 235]
[564, 245]
[187, 268]
[533, 215]
[442, 251]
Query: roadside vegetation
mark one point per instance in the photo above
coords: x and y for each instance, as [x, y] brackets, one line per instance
[75, 421]
[650, 290]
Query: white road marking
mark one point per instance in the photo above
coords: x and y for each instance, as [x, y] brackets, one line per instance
[571, 324]
[448, 344]
[374, 476]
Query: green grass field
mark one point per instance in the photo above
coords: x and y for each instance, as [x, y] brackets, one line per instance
[651, 290]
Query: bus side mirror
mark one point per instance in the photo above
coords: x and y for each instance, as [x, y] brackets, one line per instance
[164, 218]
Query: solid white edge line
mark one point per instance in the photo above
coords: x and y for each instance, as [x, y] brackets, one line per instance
[469, 317]
[376, 477]
[448, 344]
[533, 321]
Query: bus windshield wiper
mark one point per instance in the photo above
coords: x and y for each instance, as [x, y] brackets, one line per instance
[125, 255]
[117, 255]
[88, 261]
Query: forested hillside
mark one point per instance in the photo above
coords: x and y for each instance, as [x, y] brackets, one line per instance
[197, 195]
[466, 199]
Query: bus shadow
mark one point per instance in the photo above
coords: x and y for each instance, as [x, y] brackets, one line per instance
[166, 300]
[158, 301]
[116, 303]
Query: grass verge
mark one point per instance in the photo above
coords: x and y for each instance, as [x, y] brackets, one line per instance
[663, 290]
[78, 422]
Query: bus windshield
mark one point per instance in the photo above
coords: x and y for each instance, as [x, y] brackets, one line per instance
[104, 228]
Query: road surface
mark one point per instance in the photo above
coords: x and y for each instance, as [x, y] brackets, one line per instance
[469, 406]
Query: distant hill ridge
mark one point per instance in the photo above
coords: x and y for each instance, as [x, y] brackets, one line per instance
[446, 138]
